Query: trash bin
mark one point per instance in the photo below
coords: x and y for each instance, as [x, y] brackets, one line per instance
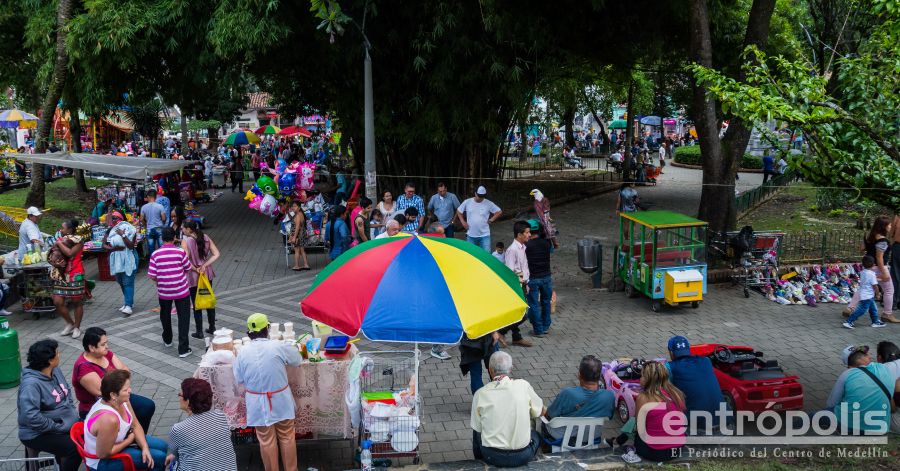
[589, 255]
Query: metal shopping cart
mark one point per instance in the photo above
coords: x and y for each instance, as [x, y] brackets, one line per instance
[42, 463]
[758, 266]
[36, 287]
[390, 402]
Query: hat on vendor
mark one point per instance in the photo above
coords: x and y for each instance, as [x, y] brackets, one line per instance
[679, 346]
[257, 322]
[116, 216]
[533, 224]
[33, 211]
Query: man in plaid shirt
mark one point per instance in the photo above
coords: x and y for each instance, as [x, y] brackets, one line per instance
[409, 199]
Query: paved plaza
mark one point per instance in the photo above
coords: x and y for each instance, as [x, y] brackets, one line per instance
[253, 277]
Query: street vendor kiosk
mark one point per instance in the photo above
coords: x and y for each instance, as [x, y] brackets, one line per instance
[662, 255]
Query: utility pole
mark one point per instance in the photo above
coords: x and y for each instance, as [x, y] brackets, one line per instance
[371, 175]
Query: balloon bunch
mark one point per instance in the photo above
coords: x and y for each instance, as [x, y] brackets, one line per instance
[290, 182]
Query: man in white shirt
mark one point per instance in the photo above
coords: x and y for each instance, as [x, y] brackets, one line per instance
[270, 405]
[29, 232]
[391, 229]
[515, 259]
[502, 412]
[476, 215]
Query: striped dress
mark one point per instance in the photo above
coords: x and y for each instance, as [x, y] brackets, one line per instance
[202, 442]
[169, 265]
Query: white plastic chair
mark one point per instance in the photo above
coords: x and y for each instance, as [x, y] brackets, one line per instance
[584, 430]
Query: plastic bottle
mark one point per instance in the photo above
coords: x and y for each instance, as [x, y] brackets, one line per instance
[365, 456]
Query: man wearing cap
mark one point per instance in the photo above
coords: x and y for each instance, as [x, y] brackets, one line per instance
[540, 284]
[270, 405]
[863, 390]
[694, 376]
[29, 232]
[476, 215]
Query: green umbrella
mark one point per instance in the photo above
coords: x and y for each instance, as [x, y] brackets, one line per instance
[618, 124]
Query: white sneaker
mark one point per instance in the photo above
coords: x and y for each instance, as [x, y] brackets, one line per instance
[185, 354]
[847, 325]
[4, 312]
[879, 324]
[121, 308]
[68, 330]
[76, 332]
[168, 344]
[127, 310]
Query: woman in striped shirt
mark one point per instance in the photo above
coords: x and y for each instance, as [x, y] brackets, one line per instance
[168, 267]
[202, 440]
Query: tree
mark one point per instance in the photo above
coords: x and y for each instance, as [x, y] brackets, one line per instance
[848, 115]
[721, 156]
[36, 196]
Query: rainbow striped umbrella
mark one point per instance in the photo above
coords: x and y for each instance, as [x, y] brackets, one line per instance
[241, 138]
[416, 289]
[267, 130]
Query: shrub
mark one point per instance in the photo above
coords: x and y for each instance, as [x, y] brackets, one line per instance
[690, 155]
[836, 213]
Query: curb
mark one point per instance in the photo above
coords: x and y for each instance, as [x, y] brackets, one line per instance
[699, 167]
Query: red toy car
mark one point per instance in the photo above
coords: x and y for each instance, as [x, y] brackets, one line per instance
[750, 383]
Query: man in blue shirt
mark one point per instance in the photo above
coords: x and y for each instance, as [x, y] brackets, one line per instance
[444, 205]
[153, 215]
[587, 399]
[694, 376]
[863, 390]
[409, 199]
[768, 167]
[336, 233]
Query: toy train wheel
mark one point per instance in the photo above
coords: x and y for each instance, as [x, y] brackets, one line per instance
[622, 409]
[729, 400]
[655, 306]
[629, 291]
[695, 304]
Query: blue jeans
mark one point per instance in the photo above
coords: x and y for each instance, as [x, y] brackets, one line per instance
[157, 451]
[126, 282]
[154, 239]
[505, 458]
[476, 370]
[483, 242]
[448, 231]
[540, 291]
[861, 308]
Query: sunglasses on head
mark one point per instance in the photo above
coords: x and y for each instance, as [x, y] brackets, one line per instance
[860, 348]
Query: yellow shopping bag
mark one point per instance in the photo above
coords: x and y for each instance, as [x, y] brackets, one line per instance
[205, 299]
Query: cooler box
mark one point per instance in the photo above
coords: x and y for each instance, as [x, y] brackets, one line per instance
[683, 286]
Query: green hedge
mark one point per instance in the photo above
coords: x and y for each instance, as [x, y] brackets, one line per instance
[690, 155]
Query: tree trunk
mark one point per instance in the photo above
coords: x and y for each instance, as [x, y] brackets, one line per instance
[569, 122]
[717, 195]
[75, 132]
[721, 157]
[36, 193]
[629, 131]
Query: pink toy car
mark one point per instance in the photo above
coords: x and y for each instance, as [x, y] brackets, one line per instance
[623, 378]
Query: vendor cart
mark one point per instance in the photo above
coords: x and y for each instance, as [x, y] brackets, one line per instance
[662, 255]
[391, 407]
[35, 286]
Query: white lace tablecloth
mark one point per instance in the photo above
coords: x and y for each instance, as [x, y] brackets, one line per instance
[318, 390]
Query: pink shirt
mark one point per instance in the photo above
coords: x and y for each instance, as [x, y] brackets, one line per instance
[169, 265]
[515, 259]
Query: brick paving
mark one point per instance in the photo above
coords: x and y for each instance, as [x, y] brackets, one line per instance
[253, 277]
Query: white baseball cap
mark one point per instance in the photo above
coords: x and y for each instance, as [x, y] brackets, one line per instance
[481, 191]
[32, 211]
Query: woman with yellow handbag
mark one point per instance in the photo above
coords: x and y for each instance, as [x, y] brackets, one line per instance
[202, 253]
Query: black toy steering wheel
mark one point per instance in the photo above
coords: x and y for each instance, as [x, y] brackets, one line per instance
[724, 354]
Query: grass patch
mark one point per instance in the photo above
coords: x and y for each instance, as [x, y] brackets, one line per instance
[795, 209]
[62, 200]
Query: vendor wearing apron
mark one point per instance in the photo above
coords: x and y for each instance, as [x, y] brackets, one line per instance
[270, 405]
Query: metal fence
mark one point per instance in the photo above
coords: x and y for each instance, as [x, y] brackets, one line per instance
[751, 198]
[838, 245]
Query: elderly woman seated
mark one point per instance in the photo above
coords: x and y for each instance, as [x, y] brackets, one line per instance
[203, 439]
[501, 417]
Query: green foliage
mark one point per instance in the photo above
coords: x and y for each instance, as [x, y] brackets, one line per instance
[848, 114]
[835, 213]
[690, 155]
[828, 199]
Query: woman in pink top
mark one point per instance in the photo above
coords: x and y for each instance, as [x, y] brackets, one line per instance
[660, 398]
[202, 253]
